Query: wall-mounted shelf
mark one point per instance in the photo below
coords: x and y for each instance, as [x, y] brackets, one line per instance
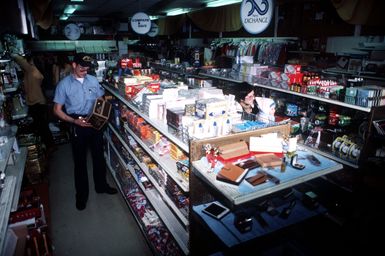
[314, 97]
[5, 153]
[335, 71]
[10, 193]
[7, 194]
[233, 80]
[17, 171]
[306, 52]
[20, 113]
[11, 87]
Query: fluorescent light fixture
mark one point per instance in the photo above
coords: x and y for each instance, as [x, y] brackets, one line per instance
[174, 12]
[23, 17]
[154, 17]
[218, 3]
[78, 1]
[70, 9]
[64, 17]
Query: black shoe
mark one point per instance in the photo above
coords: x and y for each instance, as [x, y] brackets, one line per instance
[80, 205]
[108, 190]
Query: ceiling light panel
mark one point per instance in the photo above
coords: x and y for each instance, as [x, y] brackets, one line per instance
[177, 11]
[70, 9]
[218, 3]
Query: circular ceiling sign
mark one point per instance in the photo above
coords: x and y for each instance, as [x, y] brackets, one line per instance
[256, 15]
[72, 31]
[154, 31]
[141, 23]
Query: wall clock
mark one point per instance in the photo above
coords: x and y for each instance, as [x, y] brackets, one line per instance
[72, 31]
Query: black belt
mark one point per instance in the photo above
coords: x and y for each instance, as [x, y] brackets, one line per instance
[77, 116]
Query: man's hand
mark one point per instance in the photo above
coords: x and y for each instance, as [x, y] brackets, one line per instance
[82, 122]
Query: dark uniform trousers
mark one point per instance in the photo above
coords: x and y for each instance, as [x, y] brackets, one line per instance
[83, 138]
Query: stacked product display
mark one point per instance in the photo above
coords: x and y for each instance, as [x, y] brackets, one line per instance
[153, 120]
[129, 179]
[150, 127]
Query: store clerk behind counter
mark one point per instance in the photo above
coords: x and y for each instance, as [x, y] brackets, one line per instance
[263, 108]
[78, 92]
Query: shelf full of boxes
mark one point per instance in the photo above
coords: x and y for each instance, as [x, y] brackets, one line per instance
[159, 152]
[342, 101]
[9, 89]
[12, 165]
[291, 82]
[153, 110]
[186, 74]
[160, 226]
[153, 124]
[155, 167]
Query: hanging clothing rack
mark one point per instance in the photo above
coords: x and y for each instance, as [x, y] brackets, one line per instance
[237, 40]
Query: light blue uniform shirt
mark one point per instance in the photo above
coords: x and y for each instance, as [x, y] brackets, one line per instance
[78, 98]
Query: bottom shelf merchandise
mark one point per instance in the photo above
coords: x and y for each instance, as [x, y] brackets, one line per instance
[29, 226]
[156, 233]
[261, 218]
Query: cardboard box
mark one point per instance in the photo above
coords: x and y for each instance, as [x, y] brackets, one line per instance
[210, 108]
[233, 150]
[100, 114]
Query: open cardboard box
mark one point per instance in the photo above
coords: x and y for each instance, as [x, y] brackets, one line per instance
[100, 114]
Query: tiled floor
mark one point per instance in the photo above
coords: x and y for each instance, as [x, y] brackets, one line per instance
[105, 227]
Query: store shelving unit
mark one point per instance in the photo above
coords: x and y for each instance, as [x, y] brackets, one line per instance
[8, 88]
[161, 127]
[20, 113]
[174, 73]
[168, 165]
[10, 193]
[157, 200]
[161, 191]
[17, 171]
[367, 110]
[175, 220]
[165, 162]
[366, 75]
[224, 78]
[314, 97]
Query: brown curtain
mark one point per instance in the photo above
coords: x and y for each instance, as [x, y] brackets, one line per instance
[220, 19]
[170, 25]
[42, 12]
[361, 12]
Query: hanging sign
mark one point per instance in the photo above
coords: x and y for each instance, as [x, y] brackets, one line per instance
[141, 23]
[154, 31]
[256, 15]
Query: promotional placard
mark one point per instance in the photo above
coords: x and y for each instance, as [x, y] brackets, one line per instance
[141, 23]
[256, 15]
